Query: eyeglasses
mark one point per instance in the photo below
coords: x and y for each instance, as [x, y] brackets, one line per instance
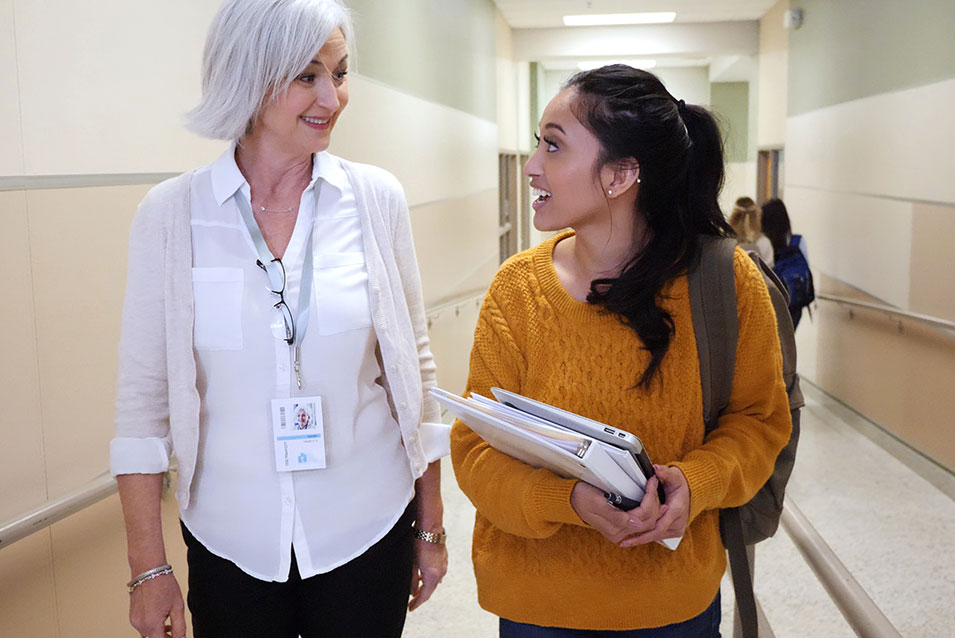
[277, 287]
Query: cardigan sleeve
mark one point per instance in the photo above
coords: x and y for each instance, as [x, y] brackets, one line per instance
[434, 433]
[514, 496]
[142, 444]
[739, 455]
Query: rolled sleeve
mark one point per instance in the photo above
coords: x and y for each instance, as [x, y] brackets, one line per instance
[139, 455]
[435, 440]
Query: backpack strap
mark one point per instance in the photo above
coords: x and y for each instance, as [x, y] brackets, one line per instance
[713, 306]
[731, 530]
[714, 311]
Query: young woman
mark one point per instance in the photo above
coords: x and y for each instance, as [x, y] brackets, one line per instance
[791, 258]
[746, 222]
[597, 321]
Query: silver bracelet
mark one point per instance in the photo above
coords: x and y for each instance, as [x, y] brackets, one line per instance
[155, 572]
[437, 538]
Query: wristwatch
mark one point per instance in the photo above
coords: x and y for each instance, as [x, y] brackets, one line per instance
[430, 537]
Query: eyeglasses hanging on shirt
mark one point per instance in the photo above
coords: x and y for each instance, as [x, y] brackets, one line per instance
[275, 269]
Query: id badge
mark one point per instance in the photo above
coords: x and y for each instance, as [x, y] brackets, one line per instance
[298, 433]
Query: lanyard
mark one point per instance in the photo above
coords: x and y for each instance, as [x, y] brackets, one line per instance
[305, 290]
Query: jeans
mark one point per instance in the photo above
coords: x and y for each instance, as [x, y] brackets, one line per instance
[706, 625]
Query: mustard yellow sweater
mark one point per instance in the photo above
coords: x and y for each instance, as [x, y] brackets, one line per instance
[535, 560]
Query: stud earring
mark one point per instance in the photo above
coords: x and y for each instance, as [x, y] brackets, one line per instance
[638, 180]
[610, 192]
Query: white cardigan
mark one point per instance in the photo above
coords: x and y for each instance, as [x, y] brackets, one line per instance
[157, 405]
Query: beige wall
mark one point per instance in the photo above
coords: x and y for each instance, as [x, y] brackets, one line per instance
[513, 92]
[103, 106]
[773, 77]
[868, 181]
[899, 374]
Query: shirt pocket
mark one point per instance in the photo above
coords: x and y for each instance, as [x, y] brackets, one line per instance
[341, 282]
[218, 308]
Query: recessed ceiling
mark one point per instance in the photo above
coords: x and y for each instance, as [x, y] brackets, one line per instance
[538, 14]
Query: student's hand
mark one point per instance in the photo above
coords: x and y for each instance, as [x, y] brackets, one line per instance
[615, 524]
[671, 522]
[430, 566]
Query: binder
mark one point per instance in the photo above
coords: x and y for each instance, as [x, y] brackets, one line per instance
[544, 444]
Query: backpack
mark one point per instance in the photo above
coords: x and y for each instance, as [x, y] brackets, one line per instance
[714, 313]
[793, 269]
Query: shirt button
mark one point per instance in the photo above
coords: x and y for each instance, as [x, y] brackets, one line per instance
[283, 367]
[394, 367]
[287, 500]
[403, 405]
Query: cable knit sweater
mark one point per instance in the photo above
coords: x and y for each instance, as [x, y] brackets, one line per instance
[535, 560]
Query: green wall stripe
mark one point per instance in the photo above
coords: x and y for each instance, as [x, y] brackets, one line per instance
[440, 50]
[892, 198]
[851, 49]
[45, 182]
[730, 104]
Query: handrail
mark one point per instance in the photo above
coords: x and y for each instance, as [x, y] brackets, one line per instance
[862, 614]
[104, 485]
[455, 302]
[932, 321]
[52, 511]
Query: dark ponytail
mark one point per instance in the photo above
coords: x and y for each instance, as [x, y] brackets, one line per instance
[776, 225]
[680, 152]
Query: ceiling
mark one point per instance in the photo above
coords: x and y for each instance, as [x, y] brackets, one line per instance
[537, 14]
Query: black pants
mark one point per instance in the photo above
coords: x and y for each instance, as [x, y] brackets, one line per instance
[368, 596]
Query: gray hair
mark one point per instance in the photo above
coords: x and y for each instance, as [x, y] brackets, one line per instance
[254, 47]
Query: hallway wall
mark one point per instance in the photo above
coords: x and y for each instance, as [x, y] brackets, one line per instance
[868, 181]
[91, 96]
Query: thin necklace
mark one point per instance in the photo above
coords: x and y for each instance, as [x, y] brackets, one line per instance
[263, 209]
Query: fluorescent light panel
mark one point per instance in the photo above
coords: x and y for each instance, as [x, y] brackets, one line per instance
[646, 65]
[604, 19]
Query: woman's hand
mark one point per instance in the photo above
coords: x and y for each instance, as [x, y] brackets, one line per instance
[430, 559]
[430, 566]
[672, 517]
[155, 601]
[615, 524]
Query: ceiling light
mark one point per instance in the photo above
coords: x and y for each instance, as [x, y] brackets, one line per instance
[596, 64]
[603, 19]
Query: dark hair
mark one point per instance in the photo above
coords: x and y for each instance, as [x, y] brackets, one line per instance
[776, 225]
[680, 153]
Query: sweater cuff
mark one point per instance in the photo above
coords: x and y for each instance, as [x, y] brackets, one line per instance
[706, 487]
[551, 500]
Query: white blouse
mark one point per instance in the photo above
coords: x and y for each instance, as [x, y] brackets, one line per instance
[242, 508]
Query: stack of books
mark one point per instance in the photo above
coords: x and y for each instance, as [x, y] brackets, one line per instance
[568, 444]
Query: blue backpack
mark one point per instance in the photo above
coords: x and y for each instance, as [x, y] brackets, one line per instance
[793, 269]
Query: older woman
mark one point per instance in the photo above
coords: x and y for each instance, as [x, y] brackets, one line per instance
[278, 278]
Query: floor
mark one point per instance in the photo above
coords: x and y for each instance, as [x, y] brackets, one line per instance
[893, 529]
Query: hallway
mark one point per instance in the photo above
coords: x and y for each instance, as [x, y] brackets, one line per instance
[843, 110]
